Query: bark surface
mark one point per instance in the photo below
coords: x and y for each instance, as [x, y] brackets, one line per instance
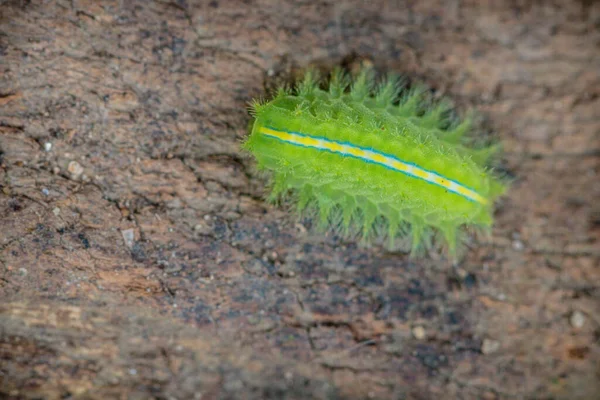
[139, 260]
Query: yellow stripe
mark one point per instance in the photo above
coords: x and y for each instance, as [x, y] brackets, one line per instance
[374, 157]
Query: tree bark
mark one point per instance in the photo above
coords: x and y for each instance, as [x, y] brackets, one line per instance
[138, 258]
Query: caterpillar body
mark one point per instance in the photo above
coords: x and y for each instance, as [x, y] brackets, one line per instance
[368, 156]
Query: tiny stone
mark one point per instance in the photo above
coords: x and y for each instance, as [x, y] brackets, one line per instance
[577, 320]
[232, 216]
[47, 146]
[56, 211]
[418, 332]
[518, 245]
[202, 229]
[490, 346]
[301, 228]
[75, 169]
[45, 191]
[128, 237]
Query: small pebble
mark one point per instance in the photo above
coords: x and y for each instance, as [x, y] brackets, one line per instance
[46, 192]
[232, 216]
[490, 346]
[202, 229]
[56, 211]
[47, 146]
[75, 169]
[518, 245]
[418, 332]
[128, 237]
[577, 319]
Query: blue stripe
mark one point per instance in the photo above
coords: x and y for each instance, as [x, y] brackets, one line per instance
[372, 162]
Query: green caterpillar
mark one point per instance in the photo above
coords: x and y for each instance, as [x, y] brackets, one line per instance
[367, 156]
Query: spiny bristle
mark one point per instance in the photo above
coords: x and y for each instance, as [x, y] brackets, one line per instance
[338, 82]
[388, 91]
[284, 90]
[455, 134]
[255, 106]
[485, 155]
[410, 101]
[307, 86]
[362, 86]
[436, 117]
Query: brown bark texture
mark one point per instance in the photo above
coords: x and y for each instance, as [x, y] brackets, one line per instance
[138, 258]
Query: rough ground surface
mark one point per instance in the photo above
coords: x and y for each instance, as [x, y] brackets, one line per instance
[137, 258]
